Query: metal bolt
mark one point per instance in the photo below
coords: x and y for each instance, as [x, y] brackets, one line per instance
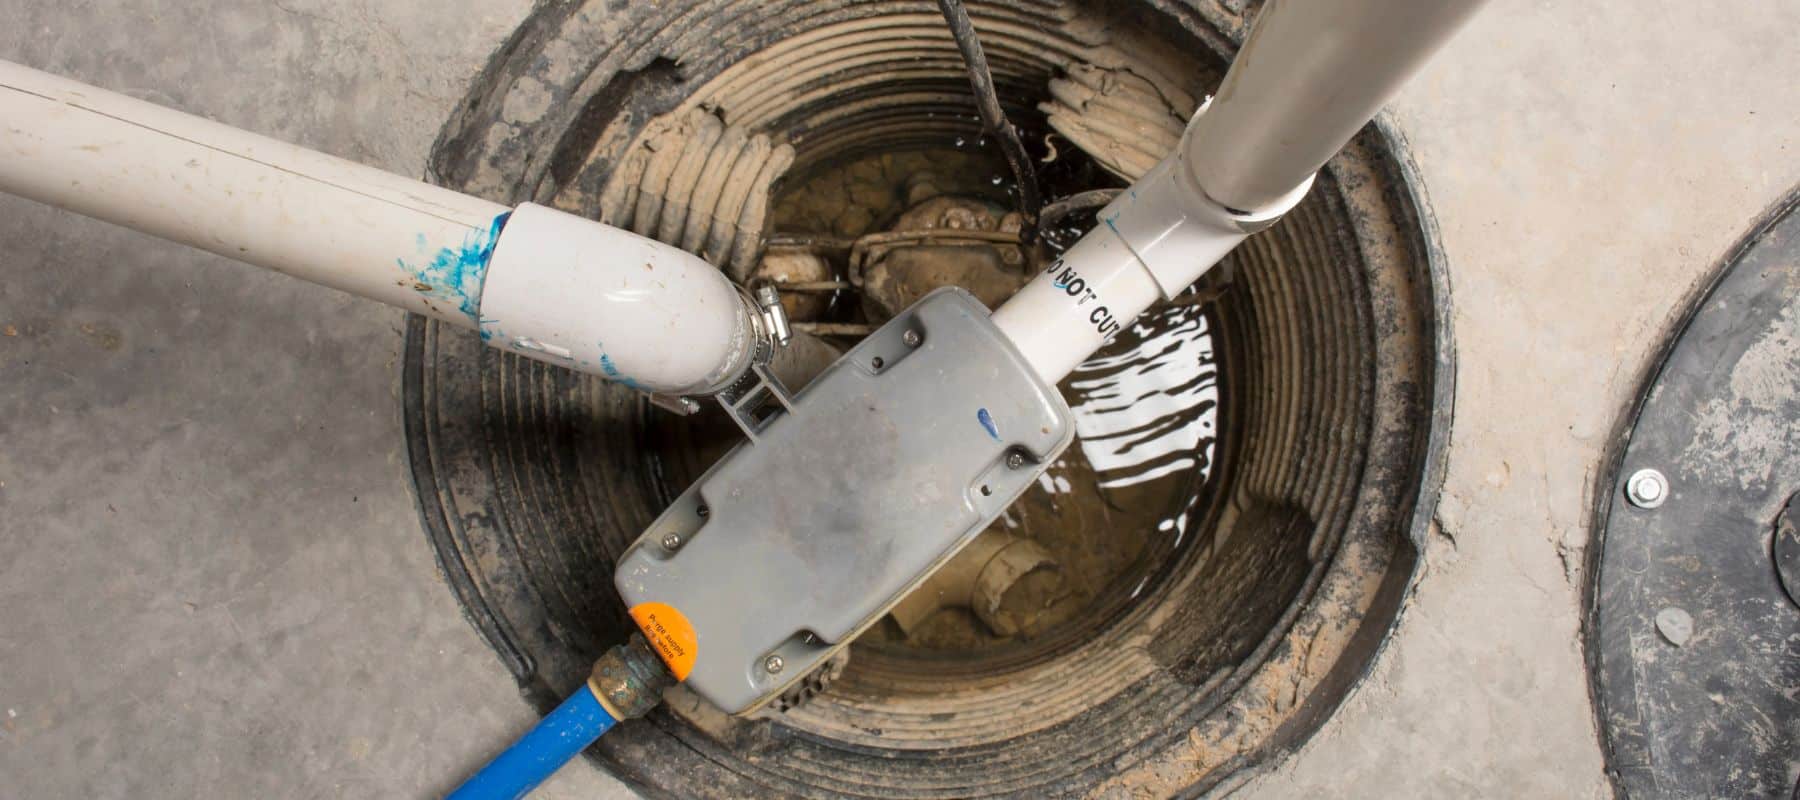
[1014, 460]
[671, 541]
[768, 295]
[911, 338]
[768, 301]
[1647, 488]
[702, 511]
[877, 362]
[773, 664]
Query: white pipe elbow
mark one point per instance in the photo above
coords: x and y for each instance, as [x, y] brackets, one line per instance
[570, 291]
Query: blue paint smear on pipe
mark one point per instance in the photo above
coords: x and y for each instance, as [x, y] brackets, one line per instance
[457, 274]
[612, 372]
[987, 421]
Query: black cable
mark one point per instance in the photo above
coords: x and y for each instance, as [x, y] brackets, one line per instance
[993, 118]
[1080, 201]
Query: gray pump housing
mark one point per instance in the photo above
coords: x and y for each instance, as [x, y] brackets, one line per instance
[846, 496]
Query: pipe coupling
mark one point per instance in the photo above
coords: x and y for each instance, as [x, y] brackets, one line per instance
[629, 679]
[1175, 228]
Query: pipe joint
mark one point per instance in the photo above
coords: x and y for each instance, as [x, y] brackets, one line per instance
[1176, 229]
[573, 292]
[630, 679]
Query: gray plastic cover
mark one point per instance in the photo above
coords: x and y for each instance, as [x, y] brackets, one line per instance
[861, 485]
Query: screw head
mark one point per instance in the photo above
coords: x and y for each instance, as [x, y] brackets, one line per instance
[911, 338]
[877, 362]
[1647, 488]
[773, 664]
[1014, 460]
[671, 541]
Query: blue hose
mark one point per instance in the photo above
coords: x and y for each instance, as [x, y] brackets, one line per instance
[558, 737]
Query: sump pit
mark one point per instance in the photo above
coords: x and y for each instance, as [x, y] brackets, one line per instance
[1255, 574]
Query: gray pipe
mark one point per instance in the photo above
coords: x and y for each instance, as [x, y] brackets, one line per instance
[1310, 75]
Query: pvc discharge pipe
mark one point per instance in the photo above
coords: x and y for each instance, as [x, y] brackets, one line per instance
[1307, 78]
[542, 283]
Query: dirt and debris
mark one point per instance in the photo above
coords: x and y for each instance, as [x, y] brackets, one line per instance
[869, 194]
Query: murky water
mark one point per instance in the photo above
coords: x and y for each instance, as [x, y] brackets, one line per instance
[1144, 408]
[1146, 417]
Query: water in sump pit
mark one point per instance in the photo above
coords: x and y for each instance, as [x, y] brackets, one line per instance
[1146, 415]
[1145, 405]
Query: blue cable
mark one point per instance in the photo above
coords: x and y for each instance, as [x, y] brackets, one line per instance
[559, 736]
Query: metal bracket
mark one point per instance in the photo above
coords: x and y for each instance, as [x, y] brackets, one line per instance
[758, 402]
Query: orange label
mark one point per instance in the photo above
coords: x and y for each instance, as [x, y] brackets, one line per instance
[670, 634]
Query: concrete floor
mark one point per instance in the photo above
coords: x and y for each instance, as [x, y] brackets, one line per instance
[210, 560]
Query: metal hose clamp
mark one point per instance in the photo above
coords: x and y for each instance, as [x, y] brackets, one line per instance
[769, 331]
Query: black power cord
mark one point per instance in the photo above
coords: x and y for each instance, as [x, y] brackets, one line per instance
[1080, 201]
[993, 118]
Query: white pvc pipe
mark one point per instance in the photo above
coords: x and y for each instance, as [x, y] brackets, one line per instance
[244, 196]
[1308, 77]
[1154, 239]
[1077, 304]
[547, 285]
